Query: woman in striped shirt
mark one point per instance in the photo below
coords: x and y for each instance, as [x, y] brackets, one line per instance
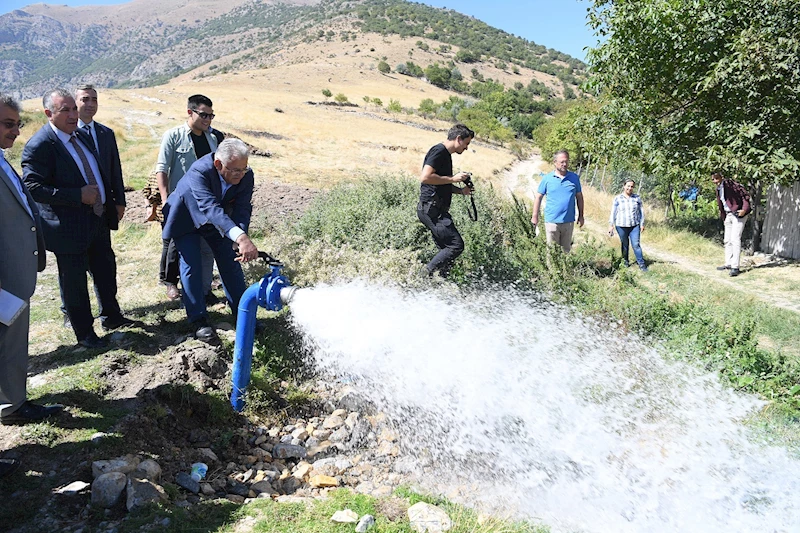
[627, 215]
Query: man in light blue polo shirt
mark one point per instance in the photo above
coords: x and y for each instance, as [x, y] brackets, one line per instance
[563, 191]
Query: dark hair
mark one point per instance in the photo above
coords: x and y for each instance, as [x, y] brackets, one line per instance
[631, 180]
[717, 172]
[85, 87]
[7, 101]
[196, 100]
[460, 130]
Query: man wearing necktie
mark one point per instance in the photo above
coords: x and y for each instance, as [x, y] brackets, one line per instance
[79, 204]
[22, 255]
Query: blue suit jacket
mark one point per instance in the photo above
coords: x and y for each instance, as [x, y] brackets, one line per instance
[55, 182]
[197, 200]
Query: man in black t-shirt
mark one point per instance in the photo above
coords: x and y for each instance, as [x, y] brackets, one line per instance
[435, 193]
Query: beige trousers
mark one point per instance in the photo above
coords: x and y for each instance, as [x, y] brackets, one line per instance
[560, 234]
[734, 226]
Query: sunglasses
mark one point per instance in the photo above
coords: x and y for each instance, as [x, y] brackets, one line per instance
[204, 116]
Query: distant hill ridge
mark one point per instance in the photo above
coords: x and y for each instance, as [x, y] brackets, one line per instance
[147, 42]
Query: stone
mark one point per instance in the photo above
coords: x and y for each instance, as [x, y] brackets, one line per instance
[142, 492]
[261, 487]
[300, 434]
[207, 489]
[341, 413]
[148, 469]
[235, 498]
[345, 517]
[366, 523]
[340, 435]
[98, 437]
[264, 496]
[426, 518]
[107, 489]
[208, 453]
[290, 485]
[351, 420]
[321, 434]
[291, 499]
[73, 488]
[343, 464]
[333, 422]
[260, 440]
[185, 480]
[126, 465]
[302, 471]
[234, 487]
[289, 451]
[248, 475]
[323, 481]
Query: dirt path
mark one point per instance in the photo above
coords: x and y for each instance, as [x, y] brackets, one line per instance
[773, 280]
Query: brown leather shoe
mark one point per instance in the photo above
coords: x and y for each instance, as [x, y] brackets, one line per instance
[172, 292]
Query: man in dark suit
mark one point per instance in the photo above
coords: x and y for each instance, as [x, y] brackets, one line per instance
[79, 204]
[212, 202]
[22, 255]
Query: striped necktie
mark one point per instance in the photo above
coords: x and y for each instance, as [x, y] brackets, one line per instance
[97, 207]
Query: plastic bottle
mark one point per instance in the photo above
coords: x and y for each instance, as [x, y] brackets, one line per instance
[199, 471]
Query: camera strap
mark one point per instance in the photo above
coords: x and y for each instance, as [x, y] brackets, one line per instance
[473, 214]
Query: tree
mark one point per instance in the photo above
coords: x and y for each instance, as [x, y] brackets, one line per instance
[377, 102]
[701, 85]
[394, 106]
[427, 107]
[384, 67]
[327, 93]
[438, 75]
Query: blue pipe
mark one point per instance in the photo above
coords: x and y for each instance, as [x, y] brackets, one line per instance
[271, 293]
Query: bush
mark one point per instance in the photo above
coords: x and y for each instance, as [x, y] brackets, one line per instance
[384, 67]
[341, 98]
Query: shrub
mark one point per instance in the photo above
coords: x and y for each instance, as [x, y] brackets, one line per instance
[341, 98]
[384, 67]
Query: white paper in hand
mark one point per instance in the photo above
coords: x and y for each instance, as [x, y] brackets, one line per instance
[10, 307]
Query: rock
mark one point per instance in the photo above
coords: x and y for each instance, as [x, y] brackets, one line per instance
[344, 517]
[126, 465]
[73, 488]
[185, 480]
[107, 489]
[341, 413]
[234, 487]
[426, 518]
[148, 469]
[340, 435]
[207, 489]
[323, 481]
[207, 453]
[302, 471]
[262, 486]
[365, 524]
[235, 498]
[333, 422]
[291, 499]
[300, 434]
[98, 437]
[142, 492]
[289, 451]
[321, 434]
[260, 440]
[351, 421]
[248, 475]
[290, 485]
[198, 435]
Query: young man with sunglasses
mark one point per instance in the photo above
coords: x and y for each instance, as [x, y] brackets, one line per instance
[180, 148]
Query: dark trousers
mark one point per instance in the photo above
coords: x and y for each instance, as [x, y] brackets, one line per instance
[631, 234]
[192, 270]
[169, 269]
[445, 235]
[100, 262]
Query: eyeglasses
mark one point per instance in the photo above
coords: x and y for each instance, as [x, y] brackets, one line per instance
[10, 124]
[244, 170]
[203, 115]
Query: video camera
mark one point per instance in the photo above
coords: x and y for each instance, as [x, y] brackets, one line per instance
[468, 180]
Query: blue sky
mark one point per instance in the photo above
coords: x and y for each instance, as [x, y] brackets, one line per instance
[559, 24]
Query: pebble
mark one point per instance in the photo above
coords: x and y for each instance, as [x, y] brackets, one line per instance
[344, 517]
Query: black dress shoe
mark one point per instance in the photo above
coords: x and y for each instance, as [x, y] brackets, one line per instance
[93, 341]
[31, 412]
[724, 267]
[8, 467]
[205, 332]
[116, 322]
[734, 272]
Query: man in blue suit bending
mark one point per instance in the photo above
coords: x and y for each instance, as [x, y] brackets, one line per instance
[212, 202]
